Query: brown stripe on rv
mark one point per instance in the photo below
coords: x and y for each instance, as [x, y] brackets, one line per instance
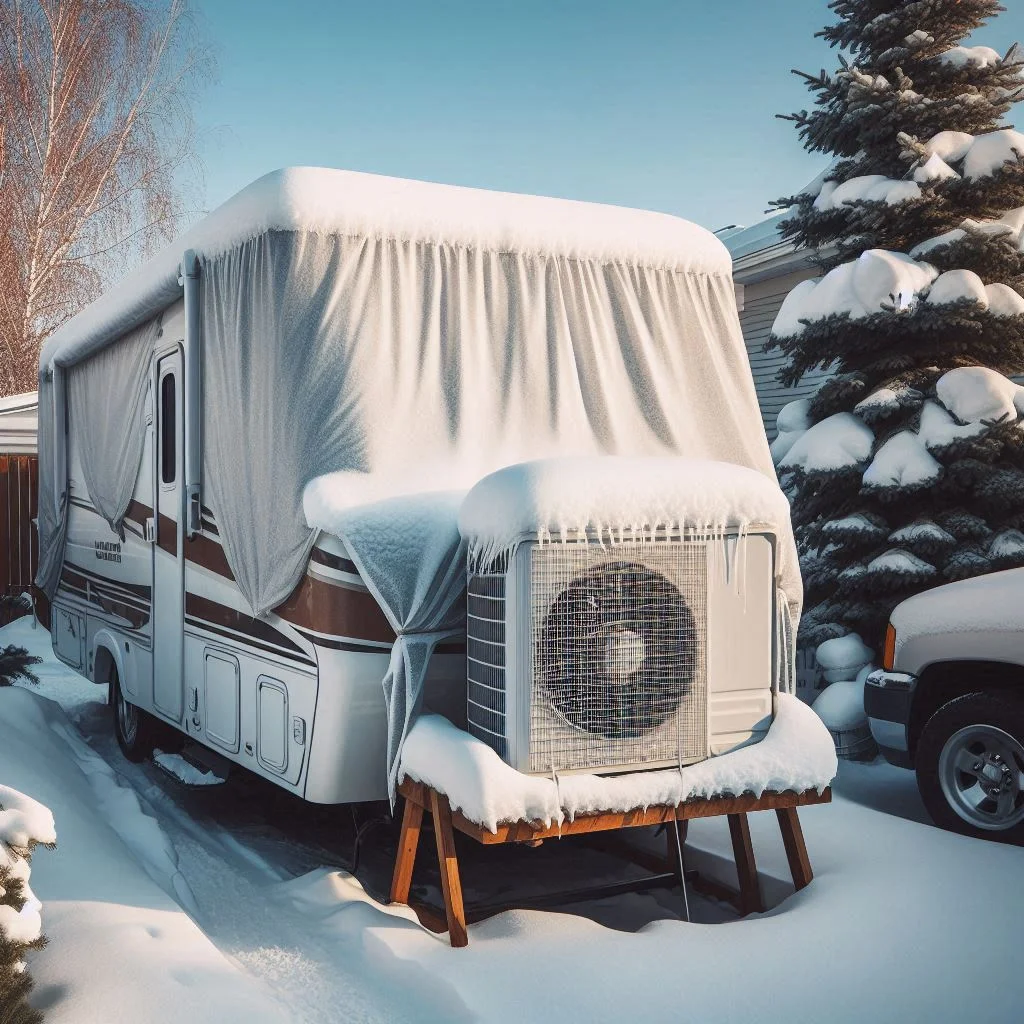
[138, 512]
[315, 604]
[220, 615]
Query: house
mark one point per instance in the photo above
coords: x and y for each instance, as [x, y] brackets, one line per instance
[19, 546]
[765, 268]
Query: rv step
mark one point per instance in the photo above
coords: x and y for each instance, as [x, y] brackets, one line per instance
[194, 766]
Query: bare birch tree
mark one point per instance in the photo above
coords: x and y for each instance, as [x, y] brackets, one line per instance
[96, 141]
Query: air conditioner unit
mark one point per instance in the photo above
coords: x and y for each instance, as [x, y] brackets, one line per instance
[594, 657]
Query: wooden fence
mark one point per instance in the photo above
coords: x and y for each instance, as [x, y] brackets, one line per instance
[19, 546]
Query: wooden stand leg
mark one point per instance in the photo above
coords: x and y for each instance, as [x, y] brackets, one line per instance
[746, 868]
[796, 849]
[409, 840]
[449, 864]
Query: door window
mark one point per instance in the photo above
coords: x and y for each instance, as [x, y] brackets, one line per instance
[168, 430]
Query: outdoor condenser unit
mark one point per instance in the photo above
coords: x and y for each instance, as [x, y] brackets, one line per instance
[596, 657]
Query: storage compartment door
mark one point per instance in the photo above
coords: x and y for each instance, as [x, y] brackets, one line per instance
[272, 742]
[68, 636]
[222, 688]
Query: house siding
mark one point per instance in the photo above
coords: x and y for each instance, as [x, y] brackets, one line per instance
[761, 304]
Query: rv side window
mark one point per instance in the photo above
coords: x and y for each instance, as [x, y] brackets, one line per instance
[168, 463]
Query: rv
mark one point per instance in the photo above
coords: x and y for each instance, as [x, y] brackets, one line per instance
[237, 439]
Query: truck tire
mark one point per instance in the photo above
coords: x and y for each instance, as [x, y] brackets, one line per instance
[970, 767]
[135, 729]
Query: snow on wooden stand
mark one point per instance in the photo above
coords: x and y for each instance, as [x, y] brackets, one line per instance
[467, 787]
[419, 798]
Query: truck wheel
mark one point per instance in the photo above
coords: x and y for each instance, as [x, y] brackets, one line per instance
[970, 767]
[134, 728]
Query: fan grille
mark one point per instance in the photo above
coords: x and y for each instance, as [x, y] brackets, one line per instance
[618, 654]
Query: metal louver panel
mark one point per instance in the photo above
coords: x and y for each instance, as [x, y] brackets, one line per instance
[486, 693]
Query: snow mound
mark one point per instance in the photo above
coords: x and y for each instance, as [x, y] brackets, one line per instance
[934, 169]
[185, 771]
[843, 657]
[841, 705]
[797, 753]
[1003, 300]
[615, 495]
[24, 821]
[858, 524]
[947, 238]
[938, 429]
[957, 285]
[836, 442]
[988, 153]
[901, 562]
[924, 530]
[970, 56]
[1008, 544]
[976, 393]
[794, 416]
[865, 188]
[903, 461]
[858, 288]
[950, 146]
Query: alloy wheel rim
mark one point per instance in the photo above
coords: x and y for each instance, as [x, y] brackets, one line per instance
[981, 773]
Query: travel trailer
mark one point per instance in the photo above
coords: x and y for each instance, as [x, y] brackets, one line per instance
[254, 449]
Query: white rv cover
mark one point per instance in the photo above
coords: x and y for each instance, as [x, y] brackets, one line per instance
[418, 337]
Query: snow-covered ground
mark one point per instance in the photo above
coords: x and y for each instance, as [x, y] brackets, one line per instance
[230, 903]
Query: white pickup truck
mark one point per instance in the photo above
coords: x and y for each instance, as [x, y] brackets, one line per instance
[949, 702]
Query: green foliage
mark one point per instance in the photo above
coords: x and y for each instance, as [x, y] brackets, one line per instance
[889, 96]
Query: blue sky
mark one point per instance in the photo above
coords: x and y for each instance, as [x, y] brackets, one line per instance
[650, 103]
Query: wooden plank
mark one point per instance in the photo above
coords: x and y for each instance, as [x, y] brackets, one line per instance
[25, 530]
[746, 866]
[405, 861]
[527, 831]
[796, 848]
[5, 523]
[448, 862]
[13, 523]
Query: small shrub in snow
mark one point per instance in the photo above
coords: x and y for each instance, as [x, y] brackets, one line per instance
[15, 662]
[918, 315]
[24, 824]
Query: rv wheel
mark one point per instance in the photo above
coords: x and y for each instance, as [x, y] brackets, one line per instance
[133, 727]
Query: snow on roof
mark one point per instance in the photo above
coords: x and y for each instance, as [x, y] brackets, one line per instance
[321, 200]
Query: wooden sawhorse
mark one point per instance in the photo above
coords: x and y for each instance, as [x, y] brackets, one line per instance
[420, 798]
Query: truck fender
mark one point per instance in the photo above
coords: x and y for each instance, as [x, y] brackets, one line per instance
[105, 649]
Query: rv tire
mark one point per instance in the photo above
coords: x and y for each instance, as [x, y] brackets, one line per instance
[134, 729]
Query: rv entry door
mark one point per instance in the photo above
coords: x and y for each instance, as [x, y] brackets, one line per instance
[168, 551]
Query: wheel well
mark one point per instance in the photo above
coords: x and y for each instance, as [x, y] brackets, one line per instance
[104, 667]
[945, 681]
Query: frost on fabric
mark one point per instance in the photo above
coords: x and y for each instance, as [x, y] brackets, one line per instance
[318, 200]
[797, 753]
[975, 393]
[615, 498]
[859, 288]
[836, 442]
[903, 461]
[994, 603]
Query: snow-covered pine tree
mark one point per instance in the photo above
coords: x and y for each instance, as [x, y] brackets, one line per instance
[906, 468]
[15, 662]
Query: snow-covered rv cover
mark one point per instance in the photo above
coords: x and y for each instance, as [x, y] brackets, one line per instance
[325, 201]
